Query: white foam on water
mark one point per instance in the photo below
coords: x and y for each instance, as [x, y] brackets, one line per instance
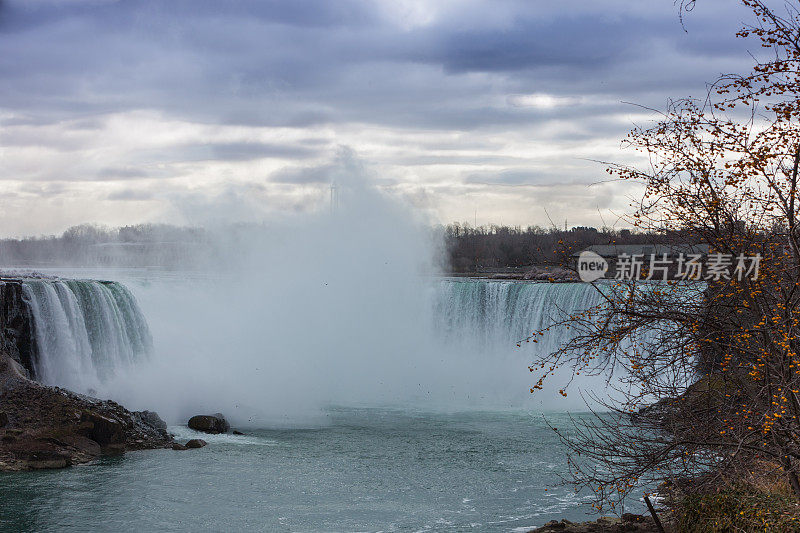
[183, 433]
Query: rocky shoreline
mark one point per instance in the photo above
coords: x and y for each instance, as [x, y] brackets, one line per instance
[49, 427]
[548, 273]
[631, 523]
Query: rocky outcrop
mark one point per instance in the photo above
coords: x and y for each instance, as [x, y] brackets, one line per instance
[551, 274]
[213, 424]
[49, 427]
[151, 419]
[196, 443]
[628, 523]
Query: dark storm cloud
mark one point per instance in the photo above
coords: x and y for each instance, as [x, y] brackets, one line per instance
[46, 190]
[530, 177]
[115, 173]
[312, 62]
[245, 151]
[442, 97]
[226, 151]
[130, 195]
[25, 14]
[532, 43]
[240, 151]
[304, 175]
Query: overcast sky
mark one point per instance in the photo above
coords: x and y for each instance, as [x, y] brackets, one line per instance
[121, 112]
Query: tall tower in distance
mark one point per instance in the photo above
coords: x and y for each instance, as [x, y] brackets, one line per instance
[334, 198]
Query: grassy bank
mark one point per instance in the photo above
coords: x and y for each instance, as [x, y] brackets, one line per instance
[760, 503]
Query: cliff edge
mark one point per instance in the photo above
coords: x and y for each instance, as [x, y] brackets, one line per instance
[49, 427]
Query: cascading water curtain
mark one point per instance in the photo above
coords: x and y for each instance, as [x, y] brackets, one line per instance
[86, 331]
[499, 313]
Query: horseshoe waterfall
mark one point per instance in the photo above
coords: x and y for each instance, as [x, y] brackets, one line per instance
[78, 334]
[448, 393]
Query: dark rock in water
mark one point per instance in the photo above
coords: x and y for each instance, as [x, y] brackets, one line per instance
[554, 525]
[101, 429]
[49, 427]
[223, 421]
[215, 423]
[45, 459]
[637, 518]
[196, 443]
[114, 449]
[151, 420]
[237, 432]
[178, 447]
[606, 524]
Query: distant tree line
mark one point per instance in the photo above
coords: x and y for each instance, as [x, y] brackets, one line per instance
[95, 245]
[487, 248]
[468, 248]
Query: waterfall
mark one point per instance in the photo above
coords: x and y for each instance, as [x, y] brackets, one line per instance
[456, 342]
[85, 331]
[490, 313]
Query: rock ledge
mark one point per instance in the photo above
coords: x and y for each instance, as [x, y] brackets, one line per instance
[628, 523]
[49, 427]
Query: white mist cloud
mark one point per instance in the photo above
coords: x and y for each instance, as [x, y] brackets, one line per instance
[306, 312]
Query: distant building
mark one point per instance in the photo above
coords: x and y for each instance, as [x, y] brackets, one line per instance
[583, 228]
[144, 254]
